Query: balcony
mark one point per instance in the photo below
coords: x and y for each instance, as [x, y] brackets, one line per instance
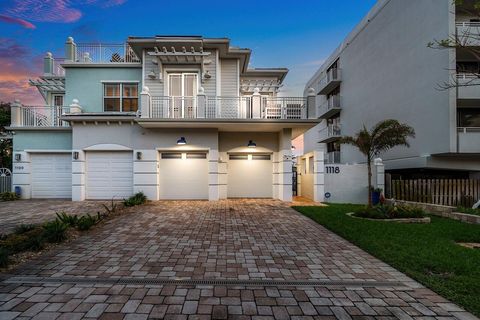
[330, 81]
[330, 133]
[468, 88]
[468, 140]
[101, 53]
[468, 33]
[332, 157]
[40, 116]
[330, 107]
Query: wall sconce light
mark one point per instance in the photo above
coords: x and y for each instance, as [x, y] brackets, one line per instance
[139, 155]
[181, 141]
[18, 157]
[207, 75]
[152, 74]
[252, 144]
[75, 155]
[293, 148]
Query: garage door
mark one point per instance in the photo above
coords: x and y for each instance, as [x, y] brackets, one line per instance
[249, 176]
[183, 176]
[51, 175]
[109, 175]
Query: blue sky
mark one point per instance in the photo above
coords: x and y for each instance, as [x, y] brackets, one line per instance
[298, 35]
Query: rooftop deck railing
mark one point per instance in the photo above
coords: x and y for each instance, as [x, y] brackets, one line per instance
[105, 53]
[39, 116]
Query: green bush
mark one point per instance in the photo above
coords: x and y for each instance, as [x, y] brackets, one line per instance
[390, 212]
[469, 210]
[14, 243]
[86, 222]
[35, 243]
[68, 219]
[23, 228]
[136, 199]
[55, 231]
[3, 258]
[8, 196]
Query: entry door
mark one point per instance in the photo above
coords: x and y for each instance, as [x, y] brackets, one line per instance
[182, 89]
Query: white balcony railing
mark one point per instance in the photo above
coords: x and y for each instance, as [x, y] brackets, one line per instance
[39, 116]
[211, 107]
[57, 67]
[105, 53]
[332, 157]
[334, 130]
[330, 81]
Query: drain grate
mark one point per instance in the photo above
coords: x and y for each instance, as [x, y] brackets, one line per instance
[211, 282]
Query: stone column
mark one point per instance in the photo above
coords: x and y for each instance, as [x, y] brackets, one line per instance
[70, 50]
[78, 175]
[213, 176]
[318, 176]
[16, 114]
[284, 169]
[256, 104]
[201, 103]
[311, 104]
[145, 173]
[145, 102]
[21, 173]
[48, 64]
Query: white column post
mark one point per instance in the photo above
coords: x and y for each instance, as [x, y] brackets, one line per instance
[48, 64]
[21, 173]
[70, 50]
[75, 106]
[311, 104]
[222, 175]
[379, 169]
[145, 173]
[285, 165]
[16, 114]
[318, 176]
[145, 102]
[213, 176]
[201, 103]
[256, 104]
[78, 175]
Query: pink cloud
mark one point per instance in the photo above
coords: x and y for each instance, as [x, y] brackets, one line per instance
[21, 22]
[60, 11]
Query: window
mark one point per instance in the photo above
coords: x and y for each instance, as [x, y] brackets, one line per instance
[120, 97]
[468, 117]
[58, 100]
[310, 165]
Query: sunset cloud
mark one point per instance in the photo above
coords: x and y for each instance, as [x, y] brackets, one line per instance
[22, 12]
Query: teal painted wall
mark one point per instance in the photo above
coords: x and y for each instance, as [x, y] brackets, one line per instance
[85, 84]
[56, 140]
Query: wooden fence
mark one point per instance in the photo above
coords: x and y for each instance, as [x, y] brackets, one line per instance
[449, 192]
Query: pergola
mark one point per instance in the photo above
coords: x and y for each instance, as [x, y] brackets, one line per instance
[48, 84]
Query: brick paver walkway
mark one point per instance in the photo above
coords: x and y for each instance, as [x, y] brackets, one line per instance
[14, 213]
[235, 259]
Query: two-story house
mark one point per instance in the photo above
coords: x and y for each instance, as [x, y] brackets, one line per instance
[176, 117]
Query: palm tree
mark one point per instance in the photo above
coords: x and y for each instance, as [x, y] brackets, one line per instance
[382, 137]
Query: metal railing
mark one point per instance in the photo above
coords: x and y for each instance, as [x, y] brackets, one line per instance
[330, 103]
[105, 53]
[173, 107]
[40, 116]
[468, 24]
[57, 67]
[334, 130]
[468, 129]
[333, 74]
[227, 107]
[332, 157]
[5, 180]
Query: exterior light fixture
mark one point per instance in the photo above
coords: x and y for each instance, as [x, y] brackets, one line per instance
[293, 148]
[75, 155]
[18, 157]
[139, 155]
[181, 141]
[152, 74]
[207, 75]
[252, 144]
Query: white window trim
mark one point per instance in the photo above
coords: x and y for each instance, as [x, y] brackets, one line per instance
[121, 83]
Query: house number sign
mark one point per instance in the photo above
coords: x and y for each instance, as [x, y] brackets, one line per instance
[332, 170]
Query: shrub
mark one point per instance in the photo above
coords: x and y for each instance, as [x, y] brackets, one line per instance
[111, 209]
[23, 228]
[3, 258]
[8, 196]
[390, 212]
[68, 219]
[55, 231]
[86, 222]
[35, 243]
[136, 199]
[14, 243]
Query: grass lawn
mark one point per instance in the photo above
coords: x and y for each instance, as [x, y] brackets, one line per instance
[426, 252]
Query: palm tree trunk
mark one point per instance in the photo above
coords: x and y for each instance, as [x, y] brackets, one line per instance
[369, 166]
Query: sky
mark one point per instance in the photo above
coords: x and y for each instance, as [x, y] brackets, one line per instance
[298, 35]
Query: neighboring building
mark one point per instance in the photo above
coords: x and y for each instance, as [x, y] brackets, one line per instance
[385, 69]
[176, 117]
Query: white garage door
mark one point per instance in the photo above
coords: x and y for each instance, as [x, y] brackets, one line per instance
[183, 176]
[249, 176]
[51, 175]
[109, 175]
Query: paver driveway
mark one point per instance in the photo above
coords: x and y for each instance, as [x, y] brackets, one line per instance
[235, 259]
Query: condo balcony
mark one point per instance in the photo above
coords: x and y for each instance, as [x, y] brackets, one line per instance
[468, 84]
[36, 117]
[332, 157]
[330, 81]
[99, 53]
[330, 107]
[468, 33]
[330, 133]
[468, 140]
